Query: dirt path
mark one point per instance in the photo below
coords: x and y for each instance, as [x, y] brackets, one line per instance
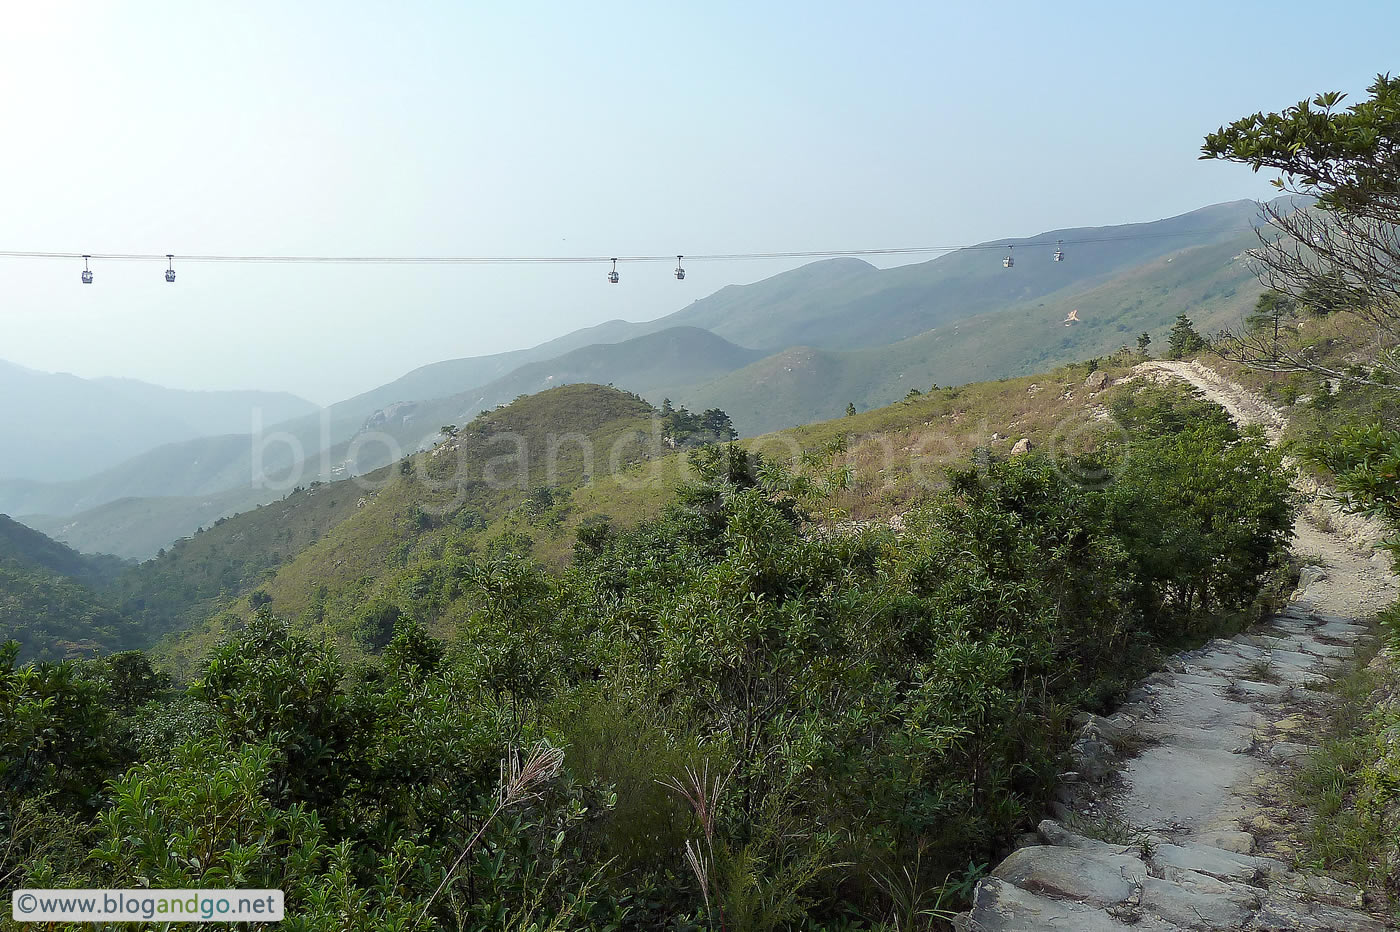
[1187, 778]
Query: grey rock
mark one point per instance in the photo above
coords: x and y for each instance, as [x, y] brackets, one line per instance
[1309, 575]
[1285, 914]
[1072, 873]
[1195, 901]
[999, 906]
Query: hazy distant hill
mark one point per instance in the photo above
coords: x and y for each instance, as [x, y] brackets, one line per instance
[847, 303]
[453, 376]
[1211, 283]
[136, 528]
[194, 467]
[58, 427]
[649, 365]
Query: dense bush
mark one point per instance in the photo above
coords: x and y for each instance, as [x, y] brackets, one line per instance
[724, 717]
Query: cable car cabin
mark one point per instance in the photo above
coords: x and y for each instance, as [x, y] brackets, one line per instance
[87, 277]
[1059, 255]
[1008, 262]
[612, 277]
[170, 275]
[680, 273]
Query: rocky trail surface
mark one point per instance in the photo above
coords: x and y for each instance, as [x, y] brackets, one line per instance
[1188, 778]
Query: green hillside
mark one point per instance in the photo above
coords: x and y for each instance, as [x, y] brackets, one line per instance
[316, 552]
[49, 596]
[26, 548]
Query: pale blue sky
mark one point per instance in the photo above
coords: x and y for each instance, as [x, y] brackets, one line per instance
[457, 128]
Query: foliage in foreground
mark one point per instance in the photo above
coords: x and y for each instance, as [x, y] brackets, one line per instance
[762, 725]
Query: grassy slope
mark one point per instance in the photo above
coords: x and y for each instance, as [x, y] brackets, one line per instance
[198, 574]
[896, 455]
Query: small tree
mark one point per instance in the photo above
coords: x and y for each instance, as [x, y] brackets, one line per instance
[850, 409]
[1144, 340]
[1184, 340]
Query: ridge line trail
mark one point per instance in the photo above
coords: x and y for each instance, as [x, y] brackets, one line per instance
[1189, 778]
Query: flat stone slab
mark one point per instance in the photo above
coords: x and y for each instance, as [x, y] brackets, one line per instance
[1180, 789]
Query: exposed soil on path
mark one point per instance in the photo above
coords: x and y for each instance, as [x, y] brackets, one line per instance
[1188, 777]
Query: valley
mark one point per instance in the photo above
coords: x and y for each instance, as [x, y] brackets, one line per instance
[773, 355]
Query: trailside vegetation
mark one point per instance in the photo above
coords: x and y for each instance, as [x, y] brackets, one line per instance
[726, 717]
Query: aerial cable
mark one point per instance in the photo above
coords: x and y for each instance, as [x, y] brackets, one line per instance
[564, 260]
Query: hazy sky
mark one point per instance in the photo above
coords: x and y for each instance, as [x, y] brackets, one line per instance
[577, 129]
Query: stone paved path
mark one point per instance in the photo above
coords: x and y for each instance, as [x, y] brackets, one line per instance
[1187, 776]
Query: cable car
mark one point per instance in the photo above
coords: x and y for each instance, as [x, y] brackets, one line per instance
[87, 273]
[170, 272]
[1008, 262]
[1059, 253]
[680, 272]
[612, 276]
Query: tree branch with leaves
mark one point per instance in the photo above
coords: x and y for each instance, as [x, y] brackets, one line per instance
[1340, 250]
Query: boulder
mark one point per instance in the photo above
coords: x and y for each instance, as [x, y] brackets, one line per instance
[1022, 446]
[1309, 575]
[1096, 381]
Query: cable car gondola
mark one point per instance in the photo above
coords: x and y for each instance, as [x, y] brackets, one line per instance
[1059, 252]
[87, 273]
[1008, 262]
[612, 276]
[680, 272]
[170, 272]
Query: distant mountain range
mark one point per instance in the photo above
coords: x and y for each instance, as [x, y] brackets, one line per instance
[790, 349]
[59, 427]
